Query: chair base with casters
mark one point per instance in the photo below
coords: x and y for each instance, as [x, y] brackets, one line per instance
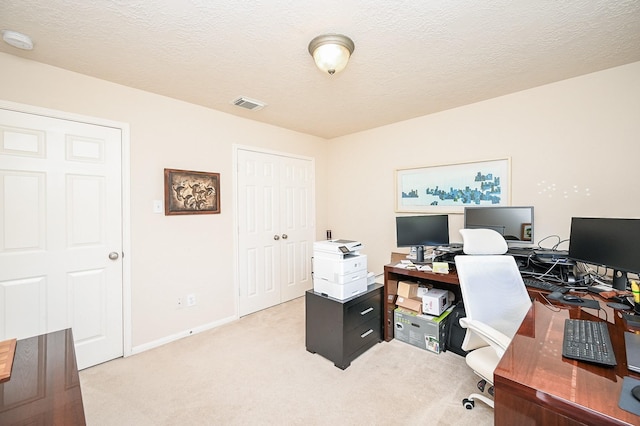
[482, 361]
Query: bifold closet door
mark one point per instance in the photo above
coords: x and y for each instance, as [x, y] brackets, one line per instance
[275, 228]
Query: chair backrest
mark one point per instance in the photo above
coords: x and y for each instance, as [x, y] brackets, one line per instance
[483, 241]
[492, 288]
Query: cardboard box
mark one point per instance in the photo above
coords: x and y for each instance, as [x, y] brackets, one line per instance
[392, 287]
[423, 289]
[413, 304]
[435, 301]
[423, 331]
[407, 289]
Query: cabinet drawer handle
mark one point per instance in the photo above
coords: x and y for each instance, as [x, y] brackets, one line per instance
[366, 311]
[365, 334]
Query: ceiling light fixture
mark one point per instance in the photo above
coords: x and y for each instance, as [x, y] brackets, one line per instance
[16, 39]
[331, 52]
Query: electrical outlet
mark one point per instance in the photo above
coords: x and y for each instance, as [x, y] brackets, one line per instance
[191, 299]
[179, 303]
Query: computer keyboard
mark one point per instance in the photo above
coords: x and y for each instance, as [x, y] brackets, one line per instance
[589, 341]
[543, 285]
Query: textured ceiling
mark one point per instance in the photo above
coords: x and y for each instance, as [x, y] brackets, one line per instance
[411, 58]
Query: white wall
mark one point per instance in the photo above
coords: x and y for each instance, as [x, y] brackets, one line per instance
[583, 132]
[565, 140]
[171, 256]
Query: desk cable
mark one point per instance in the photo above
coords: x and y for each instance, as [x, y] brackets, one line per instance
[556, 245]
[544, 274]
[558, 308]
[549, 305]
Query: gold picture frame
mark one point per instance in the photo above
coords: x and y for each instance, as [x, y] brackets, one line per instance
[191, 192]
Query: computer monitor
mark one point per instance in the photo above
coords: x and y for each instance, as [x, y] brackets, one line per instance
[608, 242]
[428, 230]
[514, 223]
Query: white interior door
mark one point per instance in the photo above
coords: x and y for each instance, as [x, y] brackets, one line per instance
[297, 226]
[61, 232]
[275, 228]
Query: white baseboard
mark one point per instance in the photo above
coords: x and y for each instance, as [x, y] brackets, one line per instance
[172, 338]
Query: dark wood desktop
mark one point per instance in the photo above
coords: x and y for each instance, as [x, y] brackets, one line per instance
[535, 384]
[44, 388]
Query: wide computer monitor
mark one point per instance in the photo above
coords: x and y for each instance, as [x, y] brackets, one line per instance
[608, 242]
[514, 223]
[427, 230]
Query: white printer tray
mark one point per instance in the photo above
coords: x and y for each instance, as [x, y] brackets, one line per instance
[340, 279]
[329, 266]
[340, 291]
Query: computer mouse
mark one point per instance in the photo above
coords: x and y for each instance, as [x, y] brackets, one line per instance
[636, 392]
[572, 298]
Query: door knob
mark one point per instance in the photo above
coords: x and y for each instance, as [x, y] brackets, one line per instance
[285, 236]
[113, 255]
[276, 237]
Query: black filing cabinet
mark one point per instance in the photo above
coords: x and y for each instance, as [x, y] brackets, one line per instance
[341, 330]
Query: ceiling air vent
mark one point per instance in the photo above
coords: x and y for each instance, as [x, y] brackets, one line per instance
[247, 103]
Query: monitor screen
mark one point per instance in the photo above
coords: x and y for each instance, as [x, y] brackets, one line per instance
[514, 223]
[608, 242]
[431, 230]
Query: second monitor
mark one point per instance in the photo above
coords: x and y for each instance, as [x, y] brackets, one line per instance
[514, 223]
[420, 231]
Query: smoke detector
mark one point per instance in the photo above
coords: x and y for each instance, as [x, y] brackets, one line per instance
[16, 39]
[250, 104]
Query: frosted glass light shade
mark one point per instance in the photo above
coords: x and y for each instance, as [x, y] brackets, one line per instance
[331, 52]
[16, 39]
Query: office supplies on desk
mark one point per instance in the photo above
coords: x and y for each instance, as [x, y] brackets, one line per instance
[588, 341]
[440, 267]
[636, 291]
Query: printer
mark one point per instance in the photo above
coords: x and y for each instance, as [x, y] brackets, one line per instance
[337, 247]
[339, 270]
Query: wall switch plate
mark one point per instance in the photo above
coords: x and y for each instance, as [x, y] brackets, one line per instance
[157, 206]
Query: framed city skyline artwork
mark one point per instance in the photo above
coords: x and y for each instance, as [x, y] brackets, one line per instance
[449, 188]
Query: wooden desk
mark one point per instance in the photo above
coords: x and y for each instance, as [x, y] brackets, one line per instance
[535, 385]
[44, 388]
[391, 277]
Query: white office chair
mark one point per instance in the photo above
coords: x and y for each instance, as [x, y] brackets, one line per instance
[495, 300]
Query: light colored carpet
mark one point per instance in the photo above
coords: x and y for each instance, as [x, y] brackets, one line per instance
[256, 371]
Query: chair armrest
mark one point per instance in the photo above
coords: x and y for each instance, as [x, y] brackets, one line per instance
[498, 341]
